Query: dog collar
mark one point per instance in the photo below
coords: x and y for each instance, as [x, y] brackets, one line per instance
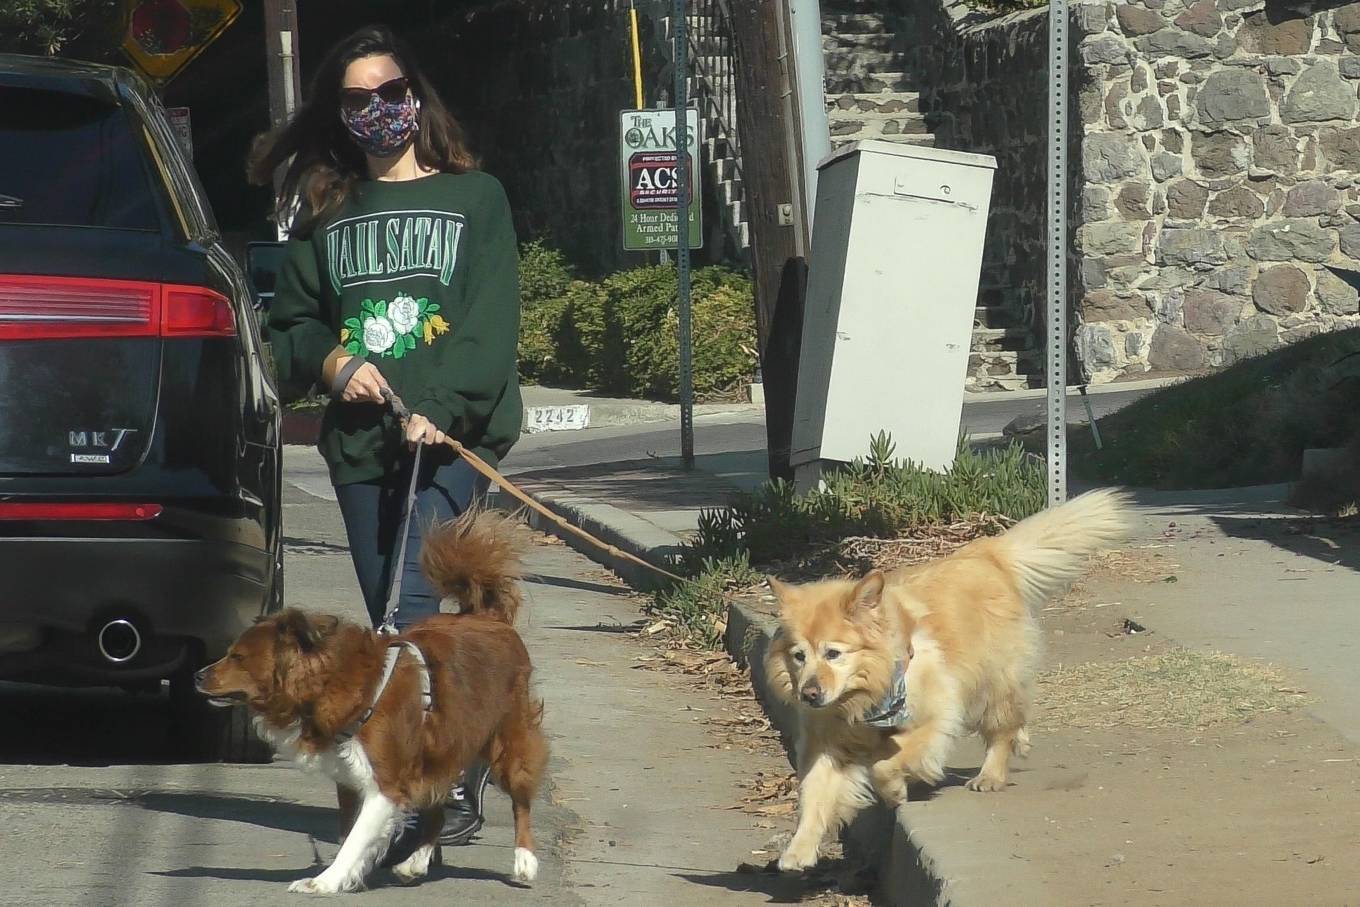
[394, 650]
[892, 711]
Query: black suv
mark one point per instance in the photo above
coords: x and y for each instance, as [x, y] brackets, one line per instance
[140, 463]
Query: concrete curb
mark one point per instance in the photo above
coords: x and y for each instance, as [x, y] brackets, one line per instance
[1095, 390]
[608, 523]
[907, 873]
[616, 411]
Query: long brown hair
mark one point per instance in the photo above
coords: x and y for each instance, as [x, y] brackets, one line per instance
[323, 163]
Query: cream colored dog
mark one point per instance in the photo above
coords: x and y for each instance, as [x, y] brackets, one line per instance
[887, 672]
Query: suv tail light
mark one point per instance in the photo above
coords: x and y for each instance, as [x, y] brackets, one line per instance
[102, 512]
[195, 312]
[50, 308]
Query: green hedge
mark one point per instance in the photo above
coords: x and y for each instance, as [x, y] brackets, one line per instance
[77, 28]
[621, 335]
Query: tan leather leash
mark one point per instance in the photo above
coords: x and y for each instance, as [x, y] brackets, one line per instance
[490, 472]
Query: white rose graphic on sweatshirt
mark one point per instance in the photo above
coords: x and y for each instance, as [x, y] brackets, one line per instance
[391, 329]
[378, 335]
[404, 313]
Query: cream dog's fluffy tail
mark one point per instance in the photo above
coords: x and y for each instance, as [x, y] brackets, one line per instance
[1048, 550]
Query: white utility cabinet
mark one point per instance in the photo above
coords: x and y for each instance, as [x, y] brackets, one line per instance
[888, 318]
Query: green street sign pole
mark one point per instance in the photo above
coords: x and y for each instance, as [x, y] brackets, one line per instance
[682, 202]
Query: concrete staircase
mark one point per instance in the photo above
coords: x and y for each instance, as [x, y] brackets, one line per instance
[870, 94]
[712, 82]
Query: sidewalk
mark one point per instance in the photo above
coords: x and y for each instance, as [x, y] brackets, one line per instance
[1260, 809]
[645, 507]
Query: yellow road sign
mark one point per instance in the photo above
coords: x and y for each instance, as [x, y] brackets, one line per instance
[163, 36]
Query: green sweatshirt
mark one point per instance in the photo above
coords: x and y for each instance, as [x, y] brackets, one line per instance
[421, 278]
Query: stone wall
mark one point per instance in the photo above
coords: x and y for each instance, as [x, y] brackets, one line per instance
[1215, 160]
[1220, 161]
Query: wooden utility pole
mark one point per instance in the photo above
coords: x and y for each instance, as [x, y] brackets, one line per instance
[285, 73]
[767, 120]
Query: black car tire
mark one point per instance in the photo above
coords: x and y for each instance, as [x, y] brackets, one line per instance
[207, 733]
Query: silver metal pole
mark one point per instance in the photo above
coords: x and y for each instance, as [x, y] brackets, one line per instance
[799, 202]
[680, 24]
[809, 73]
[287, 58]
[1055, 344]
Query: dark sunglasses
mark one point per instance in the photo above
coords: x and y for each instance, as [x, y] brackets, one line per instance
[391, 92]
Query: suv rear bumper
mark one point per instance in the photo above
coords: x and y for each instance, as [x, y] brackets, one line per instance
[188, 599]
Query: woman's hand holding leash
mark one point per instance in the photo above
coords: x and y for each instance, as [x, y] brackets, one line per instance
[417, 429]
[366, 385]
[420, 430]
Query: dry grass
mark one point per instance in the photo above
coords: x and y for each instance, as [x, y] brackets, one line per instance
[921, 545]
[1173, 689]
[857, 555]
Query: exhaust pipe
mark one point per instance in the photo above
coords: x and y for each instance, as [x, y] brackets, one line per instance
[119, 641]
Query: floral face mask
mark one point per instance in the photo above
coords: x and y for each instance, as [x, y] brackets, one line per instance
[379, 125]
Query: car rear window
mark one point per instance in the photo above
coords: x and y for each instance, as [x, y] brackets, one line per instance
[71, 160]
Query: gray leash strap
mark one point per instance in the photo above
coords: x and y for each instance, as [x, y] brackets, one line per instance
[389, 625]
[399, 409]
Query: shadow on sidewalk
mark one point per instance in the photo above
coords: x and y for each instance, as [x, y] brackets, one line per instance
[615, 629]
[828, 877]
[562, 582]
[1258, 514]
[241, 874]
[378, 879]
[1333, 541]
[319, 822]
[654, 484]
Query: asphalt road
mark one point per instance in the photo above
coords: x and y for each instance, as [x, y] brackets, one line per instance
[725, 434]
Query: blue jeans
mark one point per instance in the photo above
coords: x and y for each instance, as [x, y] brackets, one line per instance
[373, 514]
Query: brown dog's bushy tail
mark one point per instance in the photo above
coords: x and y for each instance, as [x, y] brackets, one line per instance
[475, 559]
[1048, 550]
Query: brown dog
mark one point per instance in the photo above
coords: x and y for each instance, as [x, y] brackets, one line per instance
[887, 672]
[315, 685]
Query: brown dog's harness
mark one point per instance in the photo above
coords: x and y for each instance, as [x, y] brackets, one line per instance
[394, 650]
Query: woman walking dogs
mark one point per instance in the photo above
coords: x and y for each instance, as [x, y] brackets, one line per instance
[401, 276]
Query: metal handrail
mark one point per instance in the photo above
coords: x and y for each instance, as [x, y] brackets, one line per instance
[713, 61]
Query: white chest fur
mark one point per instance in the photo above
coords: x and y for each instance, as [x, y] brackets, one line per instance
[344, 763]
